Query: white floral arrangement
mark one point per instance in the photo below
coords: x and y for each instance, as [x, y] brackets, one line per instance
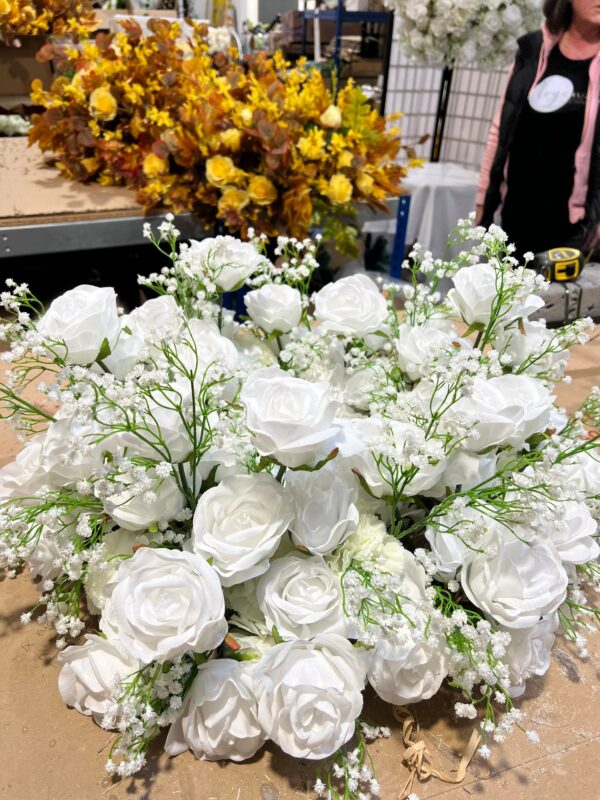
[482, 32]
[14, 125]
[267, 515]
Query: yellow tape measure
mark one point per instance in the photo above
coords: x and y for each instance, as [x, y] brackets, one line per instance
[560, 263]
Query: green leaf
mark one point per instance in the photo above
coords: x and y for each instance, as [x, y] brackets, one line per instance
[276, 635]
[105, 350]
[318, 466]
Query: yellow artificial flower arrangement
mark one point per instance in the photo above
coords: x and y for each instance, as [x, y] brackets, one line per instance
[40, 17]
[257, 144]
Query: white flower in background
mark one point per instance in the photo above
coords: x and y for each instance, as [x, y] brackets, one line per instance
[24, 476]
[527, 342]
[465, 469]
[68, 451]
[290, 418]
[274, 307]
[573, 532]
[417, 345]
[310, 718]
[218, 39]
[139, 511]
[474, 293]
[125, 354]
[504, 411]
[224, 260]
[156, 319]
[582, 472]
[352, 306]
[252, 352]
[468, 535]
[239, 524]
[300, 596]
[528, 653]
[218, 720]
[83, 318]
[210, 347]
[89, 672]
[514, 582]
[406, 672]
[162, 432]
[325, 508]
[48, 557]
[164, 603]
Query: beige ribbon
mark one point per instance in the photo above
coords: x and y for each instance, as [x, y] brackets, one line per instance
[418, 759]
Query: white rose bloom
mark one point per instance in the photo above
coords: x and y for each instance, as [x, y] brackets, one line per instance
[210, 347]
[582, 472]
[290, 418]
[450, 549]
[504, 410]
[573, 533]
[157, 318]
[239, 523]
[465, 469]
[218, 720]
[519, 346]
[125, 354]
[352, 306]
[138, 512]
[82, 318]
[225, 260]
[253, 353]
[162, 434]
[416, 346]
[528, 653]
[89, 673]
[164, 603]
[274, 307]
[325, 508]
[24, 476]
[408, 672]
[68, 453]
[310, 718]
[474, 293]
[301, 597]
[47, 558]
[514, 582]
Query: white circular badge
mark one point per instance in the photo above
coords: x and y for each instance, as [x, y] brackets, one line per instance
[552, 93]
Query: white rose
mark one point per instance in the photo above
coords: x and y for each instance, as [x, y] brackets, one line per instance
[48, 557]
[165, 602]
[528, 653]
[465, 469]
[310, 717]
[156, 319]
[253, 353]
[225, 260]
[89, 672]
[474, 294]
[325, 508]
[353, 306]
[68, 452]
[504, 410]
[300, 596]
[24, 476]
[416, 346]
[125, 354]
[208, 347]
[514, 582]
[572, 531]
[83, 318]
[161, 426]
[406, 673]
[451, 547]
[138, 512]
[218, 720]
[290, 418]
[239, 523]
[274, 307]
[582, 472]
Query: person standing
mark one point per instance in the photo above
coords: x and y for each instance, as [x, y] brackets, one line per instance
[542, 161]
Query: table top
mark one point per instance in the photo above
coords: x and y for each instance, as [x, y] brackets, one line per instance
[440, 174]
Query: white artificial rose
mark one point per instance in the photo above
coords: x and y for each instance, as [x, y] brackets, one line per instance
[224, 260]
[218, 719]
[68, 451]
[352, 306]
[451, 545]
[504, 410]
[239, 523]
[220, 463]
[573, 532]
[160, 431]
[465, 469]
[416, 346]
[309, 694]
[274, 307]
[290, 418]
[125, 354]
[516, 583]
[24, 476]
[300, 596]
[582, 472]
[474, 293]
[156, 319]
[253, 353]
[209, 347]
[89, 672]
[164, 603]
[407, 672]
[138, 512]
[528, 653]
[85, 319]
[52, 549]
[325, 508]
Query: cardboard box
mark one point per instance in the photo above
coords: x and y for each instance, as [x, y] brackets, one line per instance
[18, 67]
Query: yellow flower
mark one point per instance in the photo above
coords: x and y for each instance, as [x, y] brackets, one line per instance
[154, 166]
[232, 139]
[232, 200]
[364, 183]
[331, 117]
[312, 145]
[4, 8]
[339, 189]
[261, 190]
[345, 159]
[246, 115]
[220, 170]
[103, 104]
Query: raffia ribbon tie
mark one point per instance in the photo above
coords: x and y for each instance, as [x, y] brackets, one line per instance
[418, 759]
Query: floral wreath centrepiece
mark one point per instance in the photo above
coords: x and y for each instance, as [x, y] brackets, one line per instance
[266, 515]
